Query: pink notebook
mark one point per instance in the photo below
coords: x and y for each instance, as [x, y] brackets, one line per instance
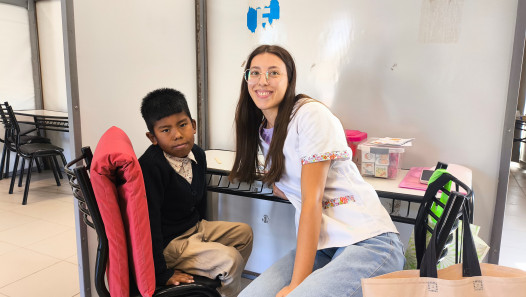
[412, 179]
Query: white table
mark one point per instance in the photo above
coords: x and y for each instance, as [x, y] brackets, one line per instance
[401, 203]
[43, 113]
[46, 119]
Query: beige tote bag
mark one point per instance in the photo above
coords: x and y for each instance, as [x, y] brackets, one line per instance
[468, 279]
[496, 281]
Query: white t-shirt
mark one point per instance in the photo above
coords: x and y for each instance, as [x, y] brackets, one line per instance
[351, 209]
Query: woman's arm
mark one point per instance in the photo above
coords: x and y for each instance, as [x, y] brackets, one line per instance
[313, 178]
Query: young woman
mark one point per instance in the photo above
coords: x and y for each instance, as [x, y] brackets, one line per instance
[343, 232]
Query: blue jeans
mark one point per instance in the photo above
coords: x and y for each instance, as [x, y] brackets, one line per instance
[337, 271]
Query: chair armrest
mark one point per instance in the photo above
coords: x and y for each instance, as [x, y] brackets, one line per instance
[202, 285]
[26, 130]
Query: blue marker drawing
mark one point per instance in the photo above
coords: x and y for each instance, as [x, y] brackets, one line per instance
[252, 19]
[274, 11]
[262, 16]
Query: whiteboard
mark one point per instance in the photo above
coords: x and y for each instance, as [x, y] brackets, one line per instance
[433, 70]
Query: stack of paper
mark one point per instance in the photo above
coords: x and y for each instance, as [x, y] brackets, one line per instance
[390, 141]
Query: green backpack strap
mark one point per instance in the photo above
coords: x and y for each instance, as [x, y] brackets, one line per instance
[437, 183]
[437, 209]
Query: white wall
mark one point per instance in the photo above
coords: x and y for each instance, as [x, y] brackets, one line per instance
[126, 49]
[383, 69]
[16, 72]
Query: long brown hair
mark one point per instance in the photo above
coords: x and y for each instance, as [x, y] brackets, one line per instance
[248, 120]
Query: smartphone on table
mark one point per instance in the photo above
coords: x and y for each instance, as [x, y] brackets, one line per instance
[425, 176]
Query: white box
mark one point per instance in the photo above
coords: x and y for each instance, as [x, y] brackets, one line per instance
[380, 161]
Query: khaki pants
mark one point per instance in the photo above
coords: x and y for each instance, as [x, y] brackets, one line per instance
[213, 249]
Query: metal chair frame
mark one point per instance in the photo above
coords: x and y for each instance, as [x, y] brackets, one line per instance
[32, 151]
[456, 205]
[8, 140]
[425, 215]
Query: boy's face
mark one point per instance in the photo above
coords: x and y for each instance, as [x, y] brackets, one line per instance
[174, 134]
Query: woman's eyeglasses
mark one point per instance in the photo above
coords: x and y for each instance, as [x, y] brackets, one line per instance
[252, 76]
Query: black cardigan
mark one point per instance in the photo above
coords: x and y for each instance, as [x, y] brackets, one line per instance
[174, 205]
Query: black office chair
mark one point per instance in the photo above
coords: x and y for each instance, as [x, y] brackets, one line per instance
[80, 183]
[32, 151]
[9, 141]
[427, 218]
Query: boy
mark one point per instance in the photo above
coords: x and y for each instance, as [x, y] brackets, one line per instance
[174, 176]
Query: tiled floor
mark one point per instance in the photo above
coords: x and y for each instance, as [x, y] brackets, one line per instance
[514, 230]
[37, 240]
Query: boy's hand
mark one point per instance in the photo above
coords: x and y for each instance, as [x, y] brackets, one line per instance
[180, 277]
[278, 193]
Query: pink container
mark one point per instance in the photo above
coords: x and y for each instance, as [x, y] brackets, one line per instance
[354, 137]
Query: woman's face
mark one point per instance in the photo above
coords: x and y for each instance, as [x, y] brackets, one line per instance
[268, 83]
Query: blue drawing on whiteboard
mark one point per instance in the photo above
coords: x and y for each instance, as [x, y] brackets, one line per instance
[262, 15]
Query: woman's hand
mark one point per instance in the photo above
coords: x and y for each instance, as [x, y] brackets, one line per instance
[285, 291]
[180, 277]
[278, 193]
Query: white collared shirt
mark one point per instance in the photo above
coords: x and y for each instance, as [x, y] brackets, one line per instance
[183, 166]
[351, 209]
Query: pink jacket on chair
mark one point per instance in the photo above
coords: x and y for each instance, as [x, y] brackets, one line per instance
[119, 189]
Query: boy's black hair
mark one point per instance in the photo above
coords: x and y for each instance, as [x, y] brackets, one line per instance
[162, 103]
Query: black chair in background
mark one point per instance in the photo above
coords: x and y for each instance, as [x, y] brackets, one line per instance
[81, 186]
[427, 219]
[32, 151]
[9, 141]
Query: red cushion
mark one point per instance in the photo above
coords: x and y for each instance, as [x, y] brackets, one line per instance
[124, 210]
